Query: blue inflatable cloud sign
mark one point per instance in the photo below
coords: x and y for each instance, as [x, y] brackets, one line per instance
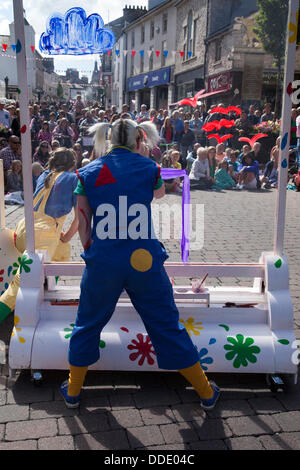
[76, 34]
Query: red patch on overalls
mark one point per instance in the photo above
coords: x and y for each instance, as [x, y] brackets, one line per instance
[105, 177]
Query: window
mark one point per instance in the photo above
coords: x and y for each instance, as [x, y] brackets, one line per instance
[132, 40]
[142, 33]
[165, 23]
[163, 57]
[142, 63]
[189, 37]
[218, 52]
[152, 29]
[151, 58]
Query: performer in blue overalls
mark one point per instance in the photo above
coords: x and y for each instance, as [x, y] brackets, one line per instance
[117, 259]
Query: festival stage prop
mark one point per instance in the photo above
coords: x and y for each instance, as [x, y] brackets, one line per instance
[254, 139]
[235, 329]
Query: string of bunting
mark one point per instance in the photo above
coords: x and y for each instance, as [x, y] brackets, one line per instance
[117, 52]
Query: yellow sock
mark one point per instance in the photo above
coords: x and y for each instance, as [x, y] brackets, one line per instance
[76, 379]
[198, 380]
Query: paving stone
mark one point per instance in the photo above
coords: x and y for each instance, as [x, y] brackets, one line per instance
[157, 415]
[244, 443]
[108, 440]
[282, 441]
[208, 428]
[166, 447]
[253, 425]
[208, 445]
[229, 408]
[188, 412]
[145, 399]
[56, 443]
[52, 409]
[33, 429]
[19, 445]
[288, 421]
[120, 401]
[2, 427]
[266, 405]
[145, 436]
[28, 393]
[2, 397]
[125, 418]
[178, 432]
[87, 423]
[13, 413]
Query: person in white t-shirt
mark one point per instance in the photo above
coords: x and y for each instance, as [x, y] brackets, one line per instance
[200, 173]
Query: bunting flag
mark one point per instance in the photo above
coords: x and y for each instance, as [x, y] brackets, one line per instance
[157, 53]
[150, 53]
[181, 53]
[142, 53]
[109, 53]
[13, 46]
[165, 53]
[5, 47]
[32, 48]
[117, 52]
[189, 53]
[125, 53]
[133, 53]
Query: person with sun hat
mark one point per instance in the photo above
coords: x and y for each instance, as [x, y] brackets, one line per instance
[118, 257]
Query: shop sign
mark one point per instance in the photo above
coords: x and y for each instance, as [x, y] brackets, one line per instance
[220, 82]
[148, 80]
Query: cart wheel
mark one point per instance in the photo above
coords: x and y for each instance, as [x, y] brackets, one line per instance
[37, 378]
[274, 382]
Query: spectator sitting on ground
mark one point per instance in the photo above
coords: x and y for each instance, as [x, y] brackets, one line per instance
[170, 184]
[248, 177]
[200, 174]
[245, 150]
[175, 157]
[234, 164]
[192, 156]
[270, 176]
[14, 181]
[220, 152]
[213, 163]
[223, 180]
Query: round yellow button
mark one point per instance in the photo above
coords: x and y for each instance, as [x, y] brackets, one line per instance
[141, 260]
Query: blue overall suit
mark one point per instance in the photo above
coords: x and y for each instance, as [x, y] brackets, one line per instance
[120, 262]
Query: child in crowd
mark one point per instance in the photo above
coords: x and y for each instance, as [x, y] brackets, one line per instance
[171, 185]
[45, 134]
[37, 170]
[52, 122]
[211, 152]
[175, 157]
[220, 152]
[245, 150]
[14, 181]
[223, 180]
[85, 162]
[248, 177]
[192, 156]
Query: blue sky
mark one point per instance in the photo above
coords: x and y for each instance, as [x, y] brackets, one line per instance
[38, 11]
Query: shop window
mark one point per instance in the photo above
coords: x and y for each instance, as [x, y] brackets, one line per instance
[165, 23]
[218, 52]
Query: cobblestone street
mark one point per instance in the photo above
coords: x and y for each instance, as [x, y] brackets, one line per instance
[159, 410]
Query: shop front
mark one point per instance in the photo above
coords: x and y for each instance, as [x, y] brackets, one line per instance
[187, 84]
[220, 87]
[150, 88]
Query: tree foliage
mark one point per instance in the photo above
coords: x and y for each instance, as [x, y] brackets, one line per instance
[271, 27]
[59, 90]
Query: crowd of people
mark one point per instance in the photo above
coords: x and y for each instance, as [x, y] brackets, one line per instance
[184, 144]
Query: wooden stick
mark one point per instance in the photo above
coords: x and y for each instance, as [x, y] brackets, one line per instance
[25, 123]
[290, 56]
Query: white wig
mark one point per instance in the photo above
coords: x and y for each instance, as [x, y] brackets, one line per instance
[123, 132]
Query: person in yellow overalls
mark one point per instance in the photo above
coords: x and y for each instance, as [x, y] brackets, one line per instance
[53, 200]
